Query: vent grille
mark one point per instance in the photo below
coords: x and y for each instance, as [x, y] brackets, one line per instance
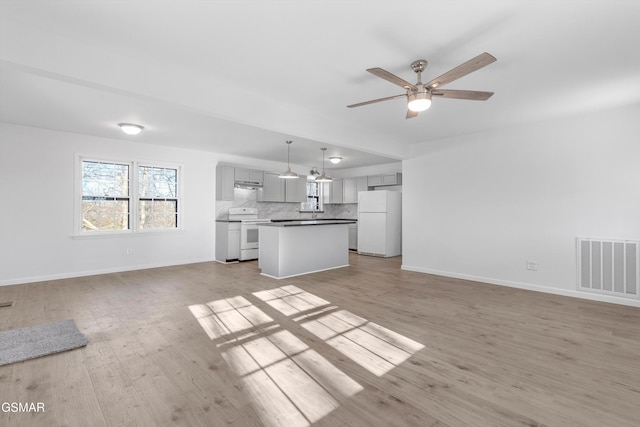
[609, 266]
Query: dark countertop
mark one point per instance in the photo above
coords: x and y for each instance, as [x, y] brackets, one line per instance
[313, 219]
[303, 222]
[295, 220]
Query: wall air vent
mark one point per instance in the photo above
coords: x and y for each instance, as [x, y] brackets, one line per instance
[609, 266]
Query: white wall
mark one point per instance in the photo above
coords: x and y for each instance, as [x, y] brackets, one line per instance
[481, 206]
[37, 201]
[386, 168]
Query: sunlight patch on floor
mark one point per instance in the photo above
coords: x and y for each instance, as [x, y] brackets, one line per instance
[290, 384]
[226, 316]
[290, 300]
[374, 347]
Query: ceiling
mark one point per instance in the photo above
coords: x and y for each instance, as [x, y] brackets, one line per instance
[241, 77]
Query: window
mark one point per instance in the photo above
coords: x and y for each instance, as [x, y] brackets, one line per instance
[115, 198]
[314, 198]
[105, 196]
[158, 201]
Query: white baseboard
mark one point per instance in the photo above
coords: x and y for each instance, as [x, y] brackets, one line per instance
[528, 286]
[59, 276]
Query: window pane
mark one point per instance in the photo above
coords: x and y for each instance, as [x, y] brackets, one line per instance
[158, 182]
[105, 214]
[313, 197]
[157, 214]
[105, 192]
[171, 175]
[158, 204]
[312, 188]
[105, 179]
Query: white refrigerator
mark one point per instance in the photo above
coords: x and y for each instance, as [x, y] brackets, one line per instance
[380, 223]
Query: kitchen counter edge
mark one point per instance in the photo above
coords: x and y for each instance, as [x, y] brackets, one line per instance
[306, 222]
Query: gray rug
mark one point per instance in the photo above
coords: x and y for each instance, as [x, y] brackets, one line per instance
[28, 343]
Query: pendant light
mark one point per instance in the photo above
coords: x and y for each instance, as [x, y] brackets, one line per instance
[288, 174]
[323, 177]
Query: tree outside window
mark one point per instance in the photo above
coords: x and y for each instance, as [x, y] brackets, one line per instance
[105, 196]
[110, 193]
[314, 199]
[158, 196]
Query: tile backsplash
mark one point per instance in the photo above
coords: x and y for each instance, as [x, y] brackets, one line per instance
[245, 198]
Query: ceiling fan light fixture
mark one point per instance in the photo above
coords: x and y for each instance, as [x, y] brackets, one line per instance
[288, 174]
[130, 128]
[419, 95]
[335, 160]
[419, 101]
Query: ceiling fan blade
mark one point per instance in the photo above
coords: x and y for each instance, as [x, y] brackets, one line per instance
[473, 95]
[462, 70]
[411, 114]
[384, 74]
[373, 101]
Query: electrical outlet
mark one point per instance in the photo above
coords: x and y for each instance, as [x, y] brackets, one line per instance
[129, 251]
[532, 265]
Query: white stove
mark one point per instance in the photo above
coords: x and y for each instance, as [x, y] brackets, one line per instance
[249, 221]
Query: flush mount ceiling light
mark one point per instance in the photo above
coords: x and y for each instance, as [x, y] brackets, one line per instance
[288, 174]
[130, 128]
[335, 160]
[323, 177]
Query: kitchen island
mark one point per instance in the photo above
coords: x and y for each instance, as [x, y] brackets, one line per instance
[293, 248]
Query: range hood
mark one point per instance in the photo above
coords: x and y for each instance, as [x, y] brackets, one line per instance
[250, 185]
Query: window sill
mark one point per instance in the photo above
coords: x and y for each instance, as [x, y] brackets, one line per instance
[120, 234]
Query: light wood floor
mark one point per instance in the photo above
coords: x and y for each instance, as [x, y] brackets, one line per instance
[492, 356]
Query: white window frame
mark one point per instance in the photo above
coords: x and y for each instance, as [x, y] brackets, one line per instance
[320, 201]
[138, 197]
[134, 197]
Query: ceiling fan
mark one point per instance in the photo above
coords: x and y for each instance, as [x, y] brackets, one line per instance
[419, 95]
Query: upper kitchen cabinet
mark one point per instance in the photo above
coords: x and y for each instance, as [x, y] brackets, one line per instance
[225, 176]
[295, 190]
[362, 184]
[382, 180]
[249, 176]
[332, 192]
[351, 187]
[349, 194]
[273, 188]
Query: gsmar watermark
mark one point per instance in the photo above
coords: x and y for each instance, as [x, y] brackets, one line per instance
[22, 407]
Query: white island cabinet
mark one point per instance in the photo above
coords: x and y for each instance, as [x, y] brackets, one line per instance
[293, 248]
